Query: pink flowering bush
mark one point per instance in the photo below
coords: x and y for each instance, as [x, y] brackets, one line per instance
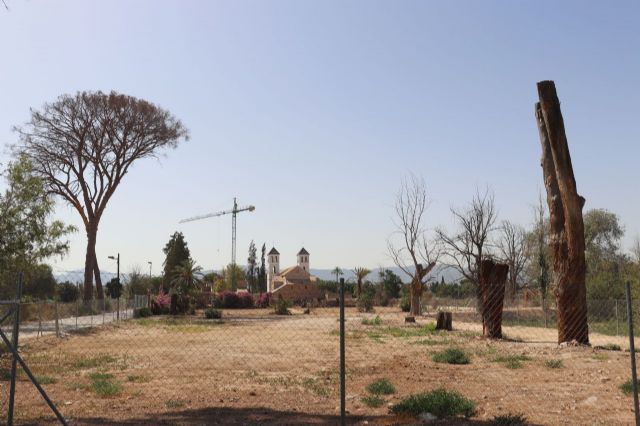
[161, 303]
[264, 300]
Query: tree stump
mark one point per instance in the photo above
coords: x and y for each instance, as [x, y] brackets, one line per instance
[444, 321]
[493, 277]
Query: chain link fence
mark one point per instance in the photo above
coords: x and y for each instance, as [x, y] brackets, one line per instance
[109, 362]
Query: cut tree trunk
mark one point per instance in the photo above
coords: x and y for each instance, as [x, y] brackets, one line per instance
[493, 277]
[566, 223]
[444, 321]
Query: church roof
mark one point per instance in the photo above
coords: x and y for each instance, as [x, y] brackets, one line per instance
[273, 251]
[303, 251]
[295, 270]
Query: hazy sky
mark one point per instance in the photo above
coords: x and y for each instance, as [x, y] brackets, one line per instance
[314, 111]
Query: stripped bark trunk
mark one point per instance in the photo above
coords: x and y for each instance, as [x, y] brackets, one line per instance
[444, 321]
[566, 223]
[493, 277]
[417, 287]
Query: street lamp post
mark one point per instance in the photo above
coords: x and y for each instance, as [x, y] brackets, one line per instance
[150, 264]
[117, 259]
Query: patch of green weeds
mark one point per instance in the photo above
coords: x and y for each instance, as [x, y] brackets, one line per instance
[627, 387]
[509, 420]
[105, 385]
[554, 363]
[512, 361]
[381, 387]
[609, 347]
[94, 362]
[439, 402]
[372, 401]
[375, 321]
[138, 379]
[314, 385]
[46, 380]
[175, 403]
[451, 356]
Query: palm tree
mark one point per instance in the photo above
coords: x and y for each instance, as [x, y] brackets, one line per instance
[360, 273]
[186, 277]
[337, 272]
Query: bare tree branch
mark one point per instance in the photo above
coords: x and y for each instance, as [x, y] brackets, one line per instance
[416, 256]
[470, 244]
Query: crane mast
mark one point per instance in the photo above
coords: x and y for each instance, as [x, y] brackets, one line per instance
[234, 211]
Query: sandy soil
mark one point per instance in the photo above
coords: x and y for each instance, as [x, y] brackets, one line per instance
[256, 367]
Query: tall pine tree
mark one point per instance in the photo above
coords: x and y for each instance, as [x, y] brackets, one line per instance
[252, 270]
[262, 273]
[176, 254]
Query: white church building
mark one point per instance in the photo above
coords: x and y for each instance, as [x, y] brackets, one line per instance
[293, 283]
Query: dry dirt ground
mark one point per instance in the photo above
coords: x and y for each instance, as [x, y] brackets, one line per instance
[257, 368]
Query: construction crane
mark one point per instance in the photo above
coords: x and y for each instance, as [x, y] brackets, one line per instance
[234, 211]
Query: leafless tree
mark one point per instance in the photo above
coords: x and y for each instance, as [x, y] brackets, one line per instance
[82, 146]
[416, 255]
[512, 246]
[469, 245]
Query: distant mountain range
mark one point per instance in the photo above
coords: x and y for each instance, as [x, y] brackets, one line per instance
[450, 274]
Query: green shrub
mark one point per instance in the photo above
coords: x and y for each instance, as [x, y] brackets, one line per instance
[212, 313]
[114, 288]
[365, 302]
[282, 307]
[439, 402]
[554, 363]
[142, 313]
[626, 387]
[451, 356]
[373, 401]
[68, 292]
[405, 299]
[381, 387]
[509, 420]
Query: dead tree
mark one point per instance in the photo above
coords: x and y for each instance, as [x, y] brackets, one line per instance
[566, 238]
[469, 245]
[512, 250]
[493, 277]
[415, 255]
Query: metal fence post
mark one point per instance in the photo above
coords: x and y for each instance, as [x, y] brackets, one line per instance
[57, 315]
[343, 390]
[617, 322]
[632, 350]
[14, 360]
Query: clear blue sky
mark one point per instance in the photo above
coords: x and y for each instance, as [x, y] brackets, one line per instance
[313, 112]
